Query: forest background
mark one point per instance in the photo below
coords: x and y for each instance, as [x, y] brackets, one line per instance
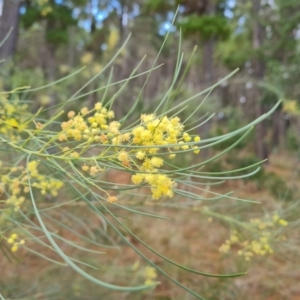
[50, 39]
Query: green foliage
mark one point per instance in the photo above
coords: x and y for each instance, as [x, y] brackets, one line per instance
[158, 6]
[231, 123]
[58, 19]
[32, 15]
[216, 166]
[264, 180]
[269, 98]
[206, 26]
[235, 51]
[244, 161]
[277, 186]
[293, 142]
[219, 147]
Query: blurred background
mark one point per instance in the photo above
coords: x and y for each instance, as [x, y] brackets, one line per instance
[51, 39]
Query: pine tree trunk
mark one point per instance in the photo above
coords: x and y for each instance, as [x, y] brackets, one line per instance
[278, 129]
[259, 72]
[9, 19]
[208, 52]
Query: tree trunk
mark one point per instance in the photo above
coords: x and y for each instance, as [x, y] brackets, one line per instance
[208, 48]
[278, 129]
[259, 72]
[208, 52]
[121, 20]
[9, 20]
[71, 47]
[51, 75]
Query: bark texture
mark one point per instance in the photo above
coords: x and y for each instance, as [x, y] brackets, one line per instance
[9, 20]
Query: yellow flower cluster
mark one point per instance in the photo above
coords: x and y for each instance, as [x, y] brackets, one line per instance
[291, 107]
[87, 58]
[261, 245]
[44, 7]
[113, 39]
[12, 118]
[44, 100]
[93, 170]
[46, 10]
[161, 184]
[94, 128]
[15, 183]
[93, 67]
[161, 131]
[112, 199]
[154, 131]
[150, 275]
[15, 201]
[92, 70]
[42, 182]
[13, 241]
[64, 69]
